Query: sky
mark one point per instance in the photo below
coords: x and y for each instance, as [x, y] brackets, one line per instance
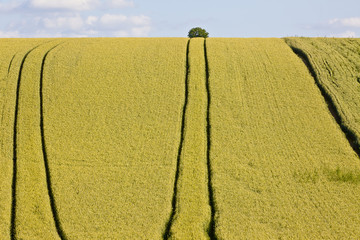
[170, 18]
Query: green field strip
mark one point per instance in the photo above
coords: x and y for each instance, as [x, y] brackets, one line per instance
[350, 135]
[12, 52]
[58, 226]
[192, 212]
[179, 139]
[166, 234]
[335, 65]
[211, 229]
[32, 216]
[281, 166]
[112, 125]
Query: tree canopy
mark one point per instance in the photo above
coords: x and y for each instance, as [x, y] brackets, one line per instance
[198, 32]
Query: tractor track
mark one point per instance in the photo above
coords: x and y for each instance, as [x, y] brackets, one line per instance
[350, 135]
[13, 230]
[211, 229]
[55, 214]
[14, 178]
[12, 59]
[166, 234]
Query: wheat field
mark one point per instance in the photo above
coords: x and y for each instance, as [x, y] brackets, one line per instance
[177, 138]
[192, 211]
[11, 58]
[336, 65]
[278, 156]
[113, 132]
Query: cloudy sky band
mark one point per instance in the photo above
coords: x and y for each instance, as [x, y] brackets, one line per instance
[166, 18]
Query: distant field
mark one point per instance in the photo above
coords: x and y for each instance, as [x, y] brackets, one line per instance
[336, 63]
[171, 138]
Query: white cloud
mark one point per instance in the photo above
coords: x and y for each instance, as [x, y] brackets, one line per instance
[111, 20]
[9, 6]
[351, 22]
[346, 22]
[11, 34]
[91, 32]
[68, 23]
[70, 5]
[121, 34]
[123, 26]
[140, 20]
[140, 31]
[91, 20]
[121, 3]
[333, 21]
[78, 5]
[45, 34]
[116, 20]
[347, 34]
[71, 18]
[75, 25]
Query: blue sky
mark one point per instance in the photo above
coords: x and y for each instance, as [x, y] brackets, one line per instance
[161, 18]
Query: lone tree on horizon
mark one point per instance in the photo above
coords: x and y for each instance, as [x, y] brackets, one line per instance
[198, 32]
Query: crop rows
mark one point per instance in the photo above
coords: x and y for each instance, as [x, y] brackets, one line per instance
[114, 131]
[12, 60]
[178, 139]
[282, 167]
[96, 143]
[192, 210]
[336, 66]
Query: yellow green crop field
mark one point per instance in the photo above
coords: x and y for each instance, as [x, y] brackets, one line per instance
[336, 66]
[177, 138]
[12, 53]
[279, 158]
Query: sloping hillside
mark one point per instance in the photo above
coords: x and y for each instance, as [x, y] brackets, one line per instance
[171, 138]
[335, 64]
[282, 167]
